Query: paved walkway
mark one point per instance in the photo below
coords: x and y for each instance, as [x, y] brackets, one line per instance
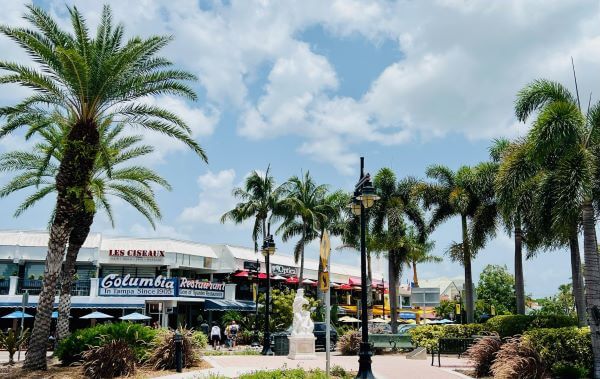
[384, 366]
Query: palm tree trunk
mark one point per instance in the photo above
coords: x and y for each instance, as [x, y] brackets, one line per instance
[369, 286]
[72, 180]
[592, 280]
[78, 236]
[393, 273]
[301, 276]
[468, 273]
[320, 293]
[415, 277]
[577, 277]
[519, 281]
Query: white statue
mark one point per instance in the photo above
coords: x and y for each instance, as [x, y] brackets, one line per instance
[302, 325]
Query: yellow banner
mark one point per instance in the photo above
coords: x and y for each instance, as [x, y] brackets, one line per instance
[325, 250]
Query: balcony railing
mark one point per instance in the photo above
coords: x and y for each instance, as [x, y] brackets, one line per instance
[34, 287]
[4, 286]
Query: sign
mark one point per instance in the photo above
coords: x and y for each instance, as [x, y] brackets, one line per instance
[283, 270]
[325, 250]
[198, 288]
[492, 310]
[252, 265]
[115, 285]
[136, 255]
[457, 308]
[425, 297]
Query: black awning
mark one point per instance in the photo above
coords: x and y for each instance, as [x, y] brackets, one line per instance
[229, 305]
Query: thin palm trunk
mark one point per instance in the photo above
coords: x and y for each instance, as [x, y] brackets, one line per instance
[301, 276]
[394, 274]
[415, 277]
[468, 273]
[577, 277]
[592, 280]
[369, 286]
[71, 181]
[519, 281]
[78, 235]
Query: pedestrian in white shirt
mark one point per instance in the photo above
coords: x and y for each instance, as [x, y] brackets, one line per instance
[215, 336]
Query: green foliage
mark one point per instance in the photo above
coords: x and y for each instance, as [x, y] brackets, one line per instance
[349, 343]
[297, 373]
[510, 325]
[11, 342]
[428, 335]
[162, 356]
[497, 287]
[111, 359]
[282, 314]
[200, 339]
[445, 308]
[565, 351]
[563, 303]
[139, 336]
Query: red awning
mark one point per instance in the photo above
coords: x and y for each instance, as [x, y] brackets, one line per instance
[262, 275]
[242, 274]
[377, 284]
[345, 287]
[353, 281]
[292, 280]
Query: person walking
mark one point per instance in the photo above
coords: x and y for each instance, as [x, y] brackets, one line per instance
[233, 331]
[215, 336]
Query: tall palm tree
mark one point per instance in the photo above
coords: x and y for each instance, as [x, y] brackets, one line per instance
[303, 202]
[419, 250]
[87, 79]
[390, 214]
[133, 184]
[567, 143]
[260, 200]
[453, 194]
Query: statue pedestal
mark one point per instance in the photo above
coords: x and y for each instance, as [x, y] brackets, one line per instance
[302, 347]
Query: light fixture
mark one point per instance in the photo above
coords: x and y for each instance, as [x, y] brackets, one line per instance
[355, 205]
[268, 247]
[368, 195]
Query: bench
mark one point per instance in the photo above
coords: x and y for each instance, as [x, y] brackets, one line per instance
[393, 341]
[451, 346]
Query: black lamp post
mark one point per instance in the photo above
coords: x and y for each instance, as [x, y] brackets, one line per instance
[383, 296]
[256, 273]
[268, 249]
[364, 198]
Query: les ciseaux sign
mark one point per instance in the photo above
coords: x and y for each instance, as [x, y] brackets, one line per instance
[159, 286]
[136, 255]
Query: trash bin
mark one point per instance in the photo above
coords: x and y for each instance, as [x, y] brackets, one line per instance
[281, 344]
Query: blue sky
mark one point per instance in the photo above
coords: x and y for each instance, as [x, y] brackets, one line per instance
[313, 85]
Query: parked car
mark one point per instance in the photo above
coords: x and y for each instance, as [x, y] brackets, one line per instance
[319, 332]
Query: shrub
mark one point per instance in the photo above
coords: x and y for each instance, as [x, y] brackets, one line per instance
[246, 337]
[162, 356]
[340, 372]
[428, 335]
[200, 339]
[139, 336]
[482, 354]
[511, 325]
[286, 374]
[565, 351]
[113, 358]
[517, 360]
[11, 342]
[349, 343]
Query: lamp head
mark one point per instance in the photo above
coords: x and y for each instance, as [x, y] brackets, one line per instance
[268, 247]
[368, 195]
[355, 204]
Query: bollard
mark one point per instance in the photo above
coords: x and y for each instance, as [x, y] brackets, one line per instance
[178, 350]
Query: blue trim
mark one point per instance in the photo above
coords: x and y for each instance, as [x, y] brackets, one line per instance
[91, 305]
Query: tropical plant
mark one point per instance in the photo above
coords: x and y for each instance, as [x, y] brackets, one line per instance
[419, 251]
[428, 336]
[86, 79]
[11, 342]
[467, 193]
[563, 303]
[445, 309]
[304, 207]
[496, 288]
[482, 354]
[200, 339]
[390, 214]
[349, 343]
[567, 143]
[282, 314]
[162, 356]
[110, 179]
[102, 361]
[518, 360]
[259, 199]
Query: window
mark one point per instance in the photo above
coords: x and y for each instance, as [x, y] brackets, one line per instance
[34, 270]
[8, 269]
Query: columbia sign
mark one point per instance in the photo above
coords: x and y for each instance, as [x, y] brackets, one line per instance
[114, 285]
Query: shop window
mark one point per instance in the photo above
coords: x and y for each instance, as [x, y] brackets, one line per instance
[85, 272]
[8, 269]
[34, 270]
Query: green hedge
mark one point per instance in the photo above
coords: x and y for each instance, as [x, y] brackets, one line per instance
[298, 373]
[567, 352]
[510, 325]
[428, 335]
[139, 336]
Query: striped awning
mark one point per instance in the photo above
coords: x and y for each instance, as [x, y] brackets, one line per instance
[229, 305]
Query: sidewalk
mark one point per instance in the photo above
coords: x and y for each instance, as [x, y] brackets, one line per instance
[384, 366]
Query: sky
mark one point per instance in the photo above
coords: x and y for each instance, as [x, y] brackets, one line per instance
[314, 85]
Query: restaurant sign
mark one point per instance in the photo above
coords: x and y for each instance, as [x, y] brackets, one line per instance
[283, 270]
[136, 255]
[115, 285]
[198, 288]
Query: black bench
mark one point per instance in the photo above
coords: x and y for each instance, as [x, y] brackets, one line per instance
[451, 346]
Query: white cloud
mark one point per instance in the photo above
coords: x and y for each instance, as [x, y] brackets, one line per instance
[214, 198]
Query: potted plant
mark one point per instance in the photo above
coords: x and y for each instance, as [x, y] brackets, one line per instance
[41, 277]
[31, 277]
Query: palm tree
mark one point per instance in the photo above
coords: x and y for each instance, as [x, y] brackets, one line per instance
[390, 213]
[452, 194]
[87, 79]
[260, 199]
[419, 251]
[303, 202]
[133, 184]
[567, 143]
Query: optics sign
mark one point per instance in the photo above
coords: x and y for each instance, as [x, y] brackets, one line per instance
[114, 285]
[198, 288]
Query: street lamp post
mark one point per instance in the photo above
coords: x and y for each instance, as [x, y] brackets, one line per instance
[364, 198]
[255, 342]
[268, 249]
[383, 296]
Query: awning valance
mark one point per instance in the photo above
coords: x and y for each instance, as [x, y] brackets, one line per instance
[229, 305]
[76, 305]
